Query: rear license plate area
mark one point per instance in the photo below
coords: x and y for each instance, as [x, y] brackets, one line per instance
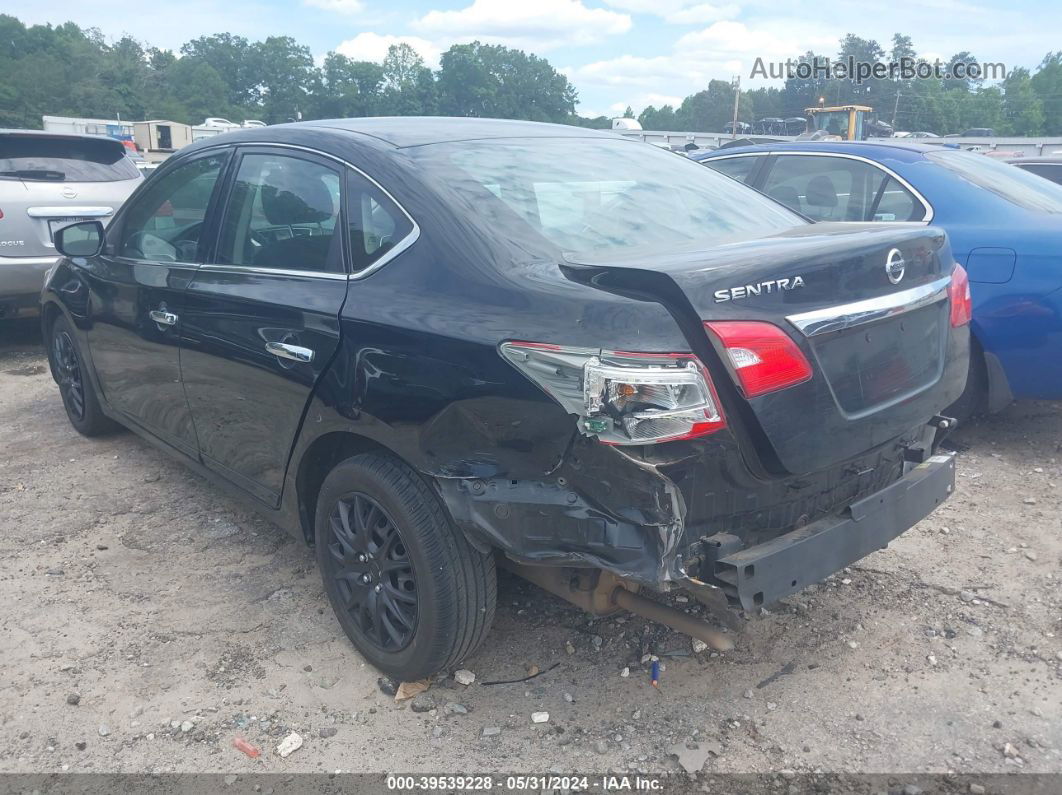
[877, 363]
[55, 224]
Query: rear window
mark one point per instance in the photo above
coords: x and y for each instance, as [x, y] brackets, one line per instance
[64, 160]
[583, 194]
[1013, 184]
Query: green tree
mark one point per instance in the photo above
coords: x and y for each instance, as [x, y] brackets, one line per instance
[236, 62]
[287, 77]
[1047, 83]
[494, 81]
[1022, 108]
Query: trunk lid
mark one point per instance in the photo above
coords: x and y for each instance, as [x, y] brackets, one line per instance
[876, 331]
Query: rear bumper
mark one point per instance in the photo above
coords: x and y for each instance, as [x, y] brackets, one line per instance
[767, 572]
[21, 281]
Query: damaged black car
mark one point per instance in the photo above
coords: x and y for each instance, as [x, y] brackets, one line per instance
[430, 347]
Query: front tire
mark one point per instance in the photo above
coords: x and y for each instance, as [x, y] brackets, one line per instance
[79, 396]
[410, 592]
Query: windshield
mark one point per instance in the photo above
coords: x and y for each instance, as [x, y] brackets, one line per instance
[590, 193]
[64, 160]
[1013, 184]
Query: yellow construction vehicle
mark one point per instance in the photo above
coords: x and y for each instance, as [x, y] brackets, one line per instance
[846, 121]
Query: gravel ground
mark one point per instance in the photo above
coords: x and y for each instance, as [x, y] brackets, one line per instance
[147, 620]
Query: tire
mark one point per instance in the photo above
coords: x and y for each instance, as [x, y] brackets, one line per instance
[430, 595]
[974, 398]
[79, 396]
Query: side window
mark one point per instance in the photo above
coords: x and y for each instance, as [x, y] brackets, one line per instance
[375, 225]
[840, 189]
[739, 168]
[896, 203]
[282, 213]
[165, 221]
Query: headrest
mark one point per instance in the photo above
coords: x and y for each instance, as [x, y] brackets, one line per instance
[821, 193]
[295, 197]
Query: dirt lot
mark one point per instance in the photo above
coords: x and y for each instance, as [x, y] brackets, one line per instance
[147, 619]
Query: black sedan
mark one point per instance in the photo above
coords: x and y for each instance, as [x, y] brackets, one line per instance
[433, 346]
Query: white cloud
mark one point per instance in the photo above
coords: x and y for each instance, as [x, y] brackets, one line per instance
[339, 6]
[717, 52]
[679, 12]
[538, 25]
[373, 47]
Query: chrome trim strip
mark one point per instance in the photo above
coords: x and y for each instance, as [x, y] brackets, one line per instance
[398, 248]
[273, 271]
[69, 211]
[861, 159]
[838, 318]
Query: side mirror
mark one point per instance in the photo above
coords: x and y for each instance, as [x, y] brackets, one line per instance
[84, 239]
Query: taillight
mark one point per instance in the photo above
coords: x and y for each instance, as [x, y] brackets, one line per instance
[764, 357]
[622, 397]
[959, 295]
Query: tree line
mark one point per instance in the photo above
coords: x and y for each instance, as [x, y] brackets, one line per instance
[1023, 104]
[66, 70]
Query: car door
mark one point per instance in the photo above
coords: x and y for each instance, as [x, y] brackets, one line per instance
[136, 288]
[827, 187]
[261, 319]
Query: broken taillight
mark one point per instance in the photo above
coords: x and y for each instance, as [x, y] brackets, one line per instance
[623, 397]
[765, 358]
[959, 294]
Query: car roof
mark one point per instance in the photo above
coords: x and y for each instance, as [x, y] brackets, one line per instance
[52, 134]
[901, 150]
[405, 131]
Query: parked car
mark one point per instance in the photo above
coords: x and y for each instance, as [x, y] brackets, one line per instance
[48, 180]
[424, 345]
[1046, 166]
[979, 132]
[1005, 227]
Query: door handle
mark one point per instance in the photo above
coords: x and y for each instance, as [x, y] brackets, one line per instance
[162, 317]
[293, 352]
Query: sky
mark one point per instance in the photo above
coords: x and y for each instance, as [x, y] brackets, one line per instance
[616, 52]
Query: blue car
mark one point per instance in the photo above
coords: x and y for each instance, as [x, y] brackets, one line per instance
[1004, 223]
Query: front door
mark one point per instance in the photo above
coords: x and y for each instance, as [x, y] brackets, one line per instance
[136, 299]
[260, 322]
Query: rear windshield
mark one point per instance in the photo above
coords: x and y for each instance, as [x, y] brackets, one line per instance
[1013, 184]
[583, 194]
[63, 160]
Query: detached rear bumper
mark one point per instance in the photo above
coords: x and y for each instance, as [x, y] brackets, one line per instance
[767, 572]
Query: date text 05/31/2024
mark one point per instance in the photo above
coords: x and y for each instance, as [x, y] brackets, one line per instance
[524, 783]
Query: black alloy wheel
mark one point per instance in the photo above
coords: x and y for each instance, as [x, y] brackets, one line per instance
[68, 372]
[373, 573]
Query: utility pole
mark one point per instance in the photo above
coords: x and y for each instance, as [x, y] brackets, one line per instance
[895, 109]
[736, 84]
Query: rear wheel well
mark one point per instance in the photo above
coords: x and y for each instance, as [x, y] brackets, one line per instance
[319, 459]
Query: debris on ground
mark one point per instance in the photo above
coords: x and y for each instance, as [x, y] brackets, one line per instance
[408, 690]
[242, 745]
[289, 745]
[539, 717]
[464, 677]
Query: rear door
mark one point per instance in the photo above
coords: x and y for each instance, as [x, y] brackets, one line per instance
[261, 319]
[136, 297]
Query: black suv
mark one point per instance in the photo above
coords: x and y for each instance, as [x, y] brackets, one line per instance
[430, 346]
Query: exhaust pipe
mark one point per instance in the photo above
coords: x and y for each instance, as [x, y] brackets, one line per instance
[603, 593]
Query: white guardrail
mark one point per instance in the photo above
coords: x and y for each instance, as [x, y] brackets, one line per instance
[1024, 147]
